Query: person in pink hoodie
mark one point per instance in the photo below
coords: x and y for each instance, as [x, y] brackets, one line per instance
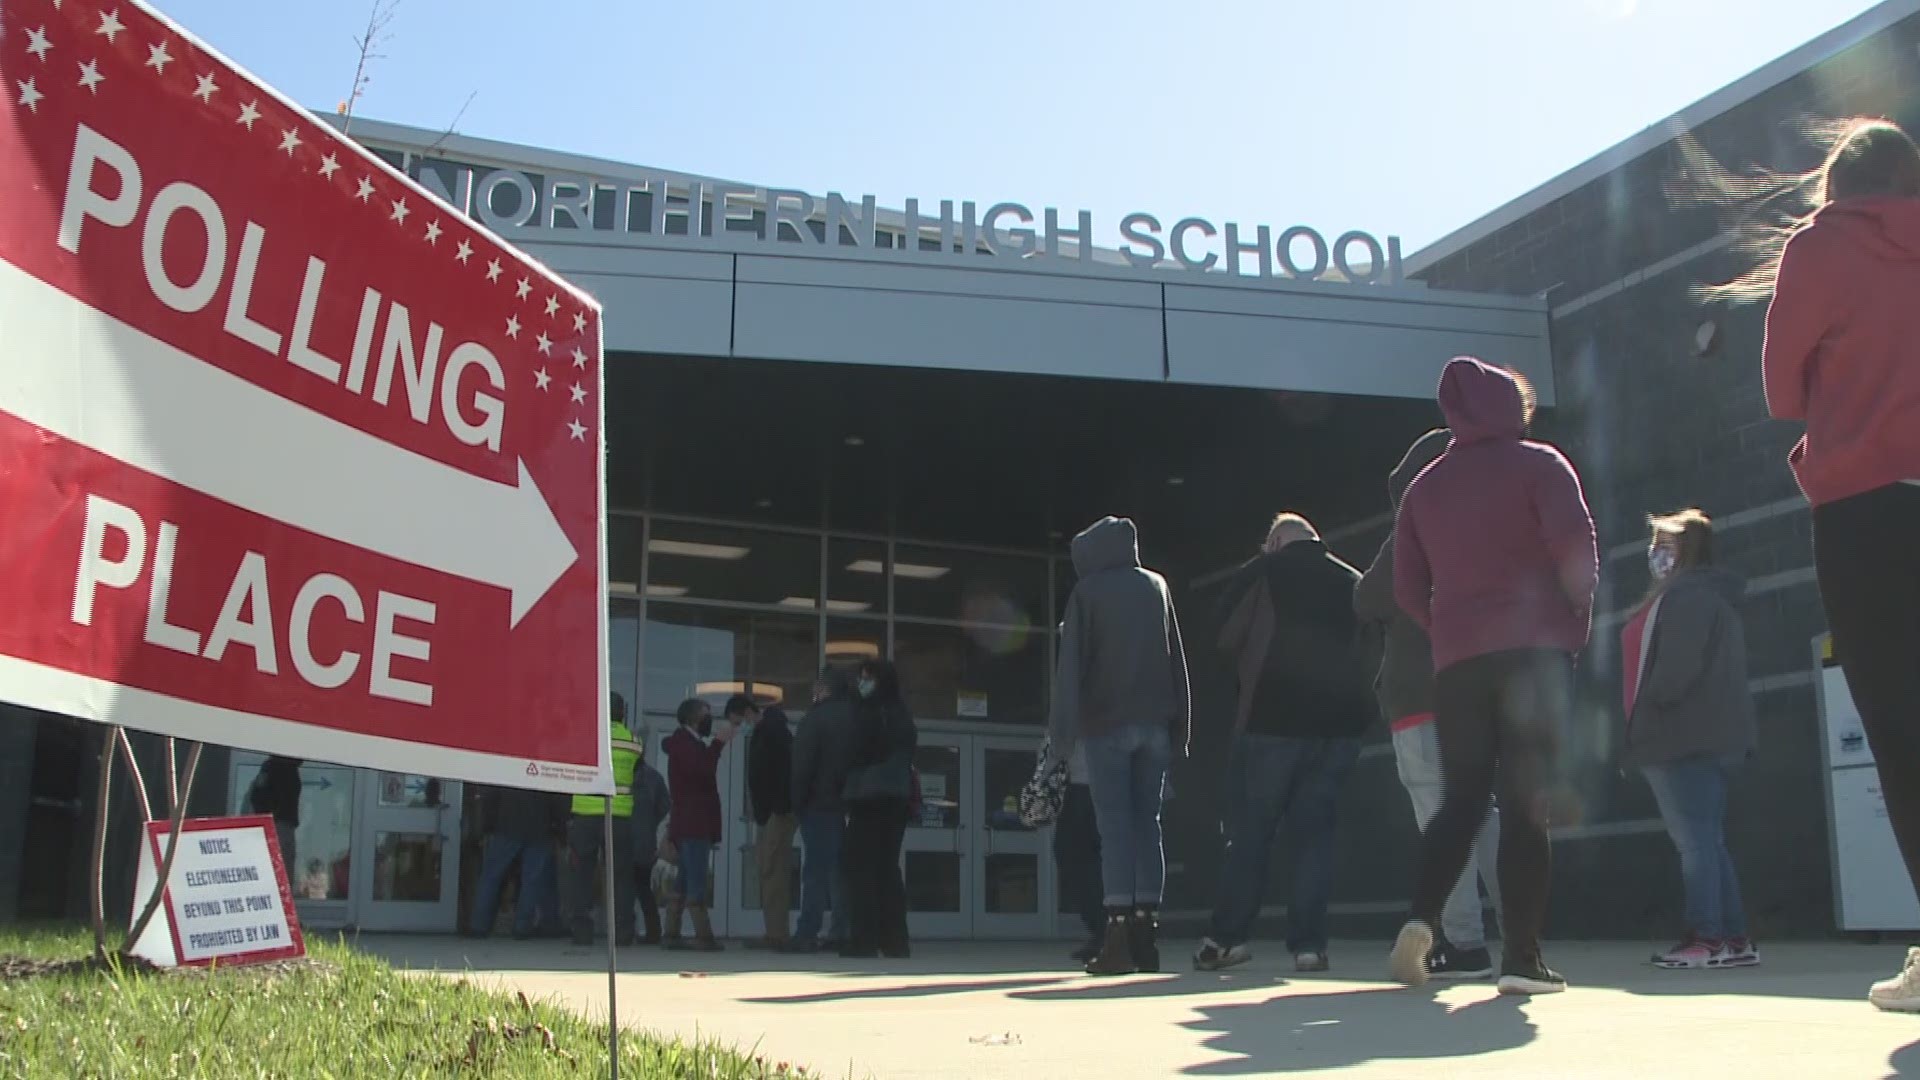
[1495, 557]
[1842, 354]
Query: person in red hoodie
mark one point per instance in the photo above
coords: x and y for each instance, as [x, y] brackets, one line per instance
[1495, 557]
[1842, 354]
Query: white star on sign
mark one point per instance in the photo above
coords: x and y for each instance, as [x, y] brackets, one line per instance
[542, 378]
[110, 25]
[248, 114]
[579, 393]
[545, 344]
[577, 430]
[329, 165]
[289, 141]
[493, 269]
[513, 326]
[30, 96]
[521, 290]
[579, 358]
[553, 305]
[464, 251]
[37, 44]
[366, 189]
[158, 58]
[579, 321]
[90, 76]
[401, 210]
[433, 232]
[205, 90]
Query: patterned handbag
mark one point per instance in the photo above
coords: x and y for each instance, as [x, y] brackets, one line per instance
[1045, 792]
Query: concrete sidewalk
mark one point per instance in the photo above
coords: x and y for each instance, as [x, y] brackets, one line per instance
[994, 1010]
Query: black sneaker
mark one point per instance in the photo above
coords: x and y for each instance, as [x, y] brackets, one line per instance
[1531, 977]
[1450, 964]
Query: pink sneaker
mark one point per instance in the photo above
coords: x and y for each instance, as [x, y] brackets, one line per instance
[1738, 952]
[1690, 953]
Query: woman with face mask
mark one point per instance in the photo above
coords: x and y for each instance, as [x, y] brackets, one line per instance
[879, 791]
[1690, 722]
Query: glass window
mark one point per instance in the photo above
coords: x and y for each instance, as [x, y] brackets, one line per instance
[1012, 884]
[406, 867]
[969, 586]
[713, 653]
[1006, 772]
[623, 555]
[709, 562]
[994, 674]
[323, 842]
[623, 649]
[850, 641]
[856, 576]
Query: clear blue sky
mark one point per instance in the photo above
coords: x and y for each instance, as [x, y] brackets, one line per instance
[1404, 117]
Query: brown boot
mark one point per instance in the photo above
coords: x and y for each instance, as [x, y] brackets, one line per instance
[703, 938]
[1116, 952]
[672, 938]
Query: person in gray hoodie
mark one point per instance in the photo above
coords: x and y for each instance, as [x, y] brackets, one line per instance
[1121, 690]
[823, 754]
[1689, 724]
[1404, 688]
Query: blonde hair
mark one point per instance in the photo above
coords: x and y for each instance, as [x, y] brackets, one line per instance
[1286, 528]
[1862, 157]
[1691, 533]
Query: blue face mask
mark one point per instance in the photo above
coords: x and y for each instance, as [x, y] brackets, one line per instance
[866, 688]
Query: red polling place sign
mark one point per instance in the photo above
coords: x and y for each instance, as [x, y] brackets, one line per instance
[292, 456]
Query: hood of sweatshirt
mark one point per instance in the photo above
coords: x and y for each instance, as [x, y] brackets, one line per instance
[1112, 543]
[1889, 227]
[1481, 402]
[1424, 451]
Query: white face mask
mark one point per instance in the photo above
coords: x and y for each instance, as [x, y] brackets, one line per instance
[1661, 560]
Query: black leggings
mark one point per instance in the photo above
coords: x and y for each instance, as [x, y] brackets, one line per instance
[1867, 553]
[876, 894]
[1498, 717]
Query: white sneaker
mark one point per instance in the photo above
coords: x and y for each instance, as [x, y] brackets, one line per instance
[1214, 956]
[1409, 962]
[1902, 992]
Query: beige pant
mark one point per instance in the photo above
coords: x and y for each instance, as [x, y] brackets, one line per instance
[773, 857]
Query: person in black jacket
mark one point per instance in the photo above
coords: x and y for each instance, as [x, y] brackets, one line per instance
[520, 826]
[276, 791]
[770, 788]
[879, 792]
[822, 759]
[1305, 699]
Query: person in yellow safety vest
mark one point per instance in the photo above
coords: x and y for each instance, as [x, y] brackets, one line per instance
[586, 836]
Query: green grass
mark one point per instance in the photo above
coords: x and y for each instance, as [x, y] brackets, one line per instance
[343, 1015]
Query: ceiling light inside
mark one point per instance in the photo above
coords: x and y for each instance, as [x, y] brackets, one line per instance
[666, 590]
[916, 571]
[807, 602]
[764, 693]
[693, 550]
[852, 650]
[622, 588]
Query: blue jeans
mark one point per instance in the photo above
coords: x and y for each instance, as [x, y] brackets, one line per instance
[821, 834]
[1692, 794]
[1416, 752]
[696, 872]
[1127, 772]
[1270, 781]
[536, 870]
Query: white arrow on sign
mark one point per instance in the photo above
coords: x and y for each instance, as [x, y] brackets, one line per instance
[86, 376]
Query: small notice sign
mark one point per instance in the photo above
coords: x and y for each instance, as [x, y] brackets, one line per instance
[227, 899]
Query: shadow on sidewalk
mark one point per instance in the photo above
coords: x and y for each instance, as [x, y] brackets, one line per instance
[1905, 1061]
[908, 990]
[1302, 1032]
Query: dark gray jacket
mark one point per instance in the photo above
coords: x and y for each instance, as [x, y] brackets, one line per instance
[1121, 663]
[1405, 683]
[1693, 696]
[823, 753]
[651, 805]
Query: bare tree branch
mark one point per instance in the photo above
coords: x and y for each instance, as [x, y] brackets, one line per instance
[369, 44]
[447, 134]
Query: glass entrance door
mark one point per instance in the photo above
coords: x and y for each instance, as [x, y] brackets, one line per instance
[935, 856]
[1012, 862]
[408, 841]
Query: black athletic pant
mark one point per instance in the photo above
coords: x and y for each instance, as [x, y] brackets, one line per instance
[1498, 717]
[1867, 553]
[876, 893]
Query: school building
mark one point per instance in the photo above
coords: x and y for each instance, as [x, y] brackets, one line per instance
[841, 426]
